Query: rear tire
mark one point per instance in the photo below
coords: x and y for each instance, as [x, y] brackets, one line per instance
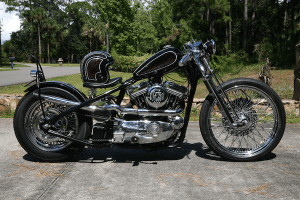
[40, 144]
[259, 105]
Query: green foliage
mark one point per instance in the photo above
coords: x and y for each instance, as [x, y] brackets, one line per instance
[71, 29]
[127, 63]
[7, 113]
[233, 64]
[292, 118]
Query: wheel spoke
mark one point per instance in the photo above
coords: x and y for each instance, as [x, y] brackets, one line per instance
[261, 113]
[67, 125]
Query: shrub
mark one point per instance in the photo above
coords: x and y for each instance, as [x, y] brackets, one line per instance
[233, 64]
[127, 63]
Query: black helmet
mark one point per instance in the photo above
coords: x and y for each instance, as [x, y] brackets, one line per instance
[94, 67]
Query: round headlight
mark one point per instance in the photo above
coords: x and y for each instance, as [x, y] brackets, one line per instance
[210, 47]
[33, 73]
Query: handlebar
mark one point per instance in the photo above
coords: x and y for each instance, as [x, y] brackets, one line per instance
[40, 73]
[197, 51]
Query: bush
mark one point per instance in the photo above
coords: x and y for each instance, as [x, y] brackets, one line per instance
[127, 63]
[233, 64]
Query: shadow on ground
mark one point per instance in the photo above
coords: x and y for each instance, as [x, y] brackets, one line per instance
[137, 156]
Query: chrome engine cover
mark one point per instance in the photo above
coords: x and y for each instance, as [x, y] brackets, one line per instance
[145, 132]
[167, 95]
[156, 96]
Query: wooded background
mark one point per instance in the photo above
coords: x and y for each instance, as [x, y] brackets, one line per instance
[251, 30]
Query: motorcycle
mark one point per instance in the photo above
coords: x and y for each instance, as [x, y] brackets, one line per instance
[241, 119]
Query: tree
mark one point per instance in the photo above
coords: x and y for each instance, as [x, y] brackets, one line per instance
[245, 25]
[118, 14]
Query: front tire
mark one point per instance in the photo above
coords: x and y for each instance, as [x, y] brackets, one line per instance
[265, 115]
[44, 146]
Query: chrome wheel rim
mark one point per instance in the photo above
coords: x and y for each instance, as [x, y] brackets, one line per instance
[67, 125]
[261, 115]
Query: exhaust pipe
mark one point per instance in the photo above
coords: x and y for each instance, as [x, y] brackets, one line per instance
[114, 107]
[67, 102]
[145, 112]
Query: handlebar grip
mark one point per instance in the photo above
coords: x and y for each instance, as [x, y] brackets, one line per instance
[184, 60]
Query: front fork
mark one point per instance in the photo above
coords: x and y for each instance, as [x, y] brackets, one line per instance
[208, 75]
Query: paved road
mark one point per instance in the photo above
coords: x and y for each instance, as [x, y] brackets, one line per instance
[22, 75]
[191, 172]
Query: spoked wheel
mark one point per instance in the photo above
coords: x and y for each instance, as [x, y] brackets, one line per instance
[263, 116]
[66, 126]
[43, 145]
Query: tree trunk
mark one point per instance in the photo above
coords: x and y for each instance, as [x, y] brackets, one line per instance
[230, 36]
[226, 32]
[56, 45]
[253, 18]
[48, 50]
[292, 16]
[90, 45]
[40, 45]
[107, 41]
[208, 19]
[296, 95]
[285, 14]
[212, 24]
[245, 25]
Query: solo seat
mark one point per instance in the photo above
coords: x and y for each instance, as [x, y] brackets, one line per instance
[110, 83]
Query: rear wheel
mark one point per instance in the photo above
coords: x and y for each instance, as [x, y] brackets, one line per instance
[38, 143]
[263, 113]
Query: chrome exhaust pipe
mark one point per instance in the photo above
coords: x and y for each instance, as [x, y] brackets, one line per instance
[114, 107]
[145, 112]
[66, 102]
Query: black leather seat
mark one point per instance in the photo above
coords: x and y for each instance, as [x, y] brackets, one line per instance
[110, 83]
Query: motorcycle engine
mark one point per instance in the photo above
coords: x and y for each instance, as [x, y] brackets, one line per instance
[151, 129]
[166, 95]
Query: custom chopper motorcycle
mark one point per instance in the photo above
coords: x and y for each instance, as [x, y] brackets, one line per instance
[241, 119]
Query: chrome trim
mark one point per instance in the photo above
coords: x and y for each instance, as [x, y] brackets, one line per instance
[142, 132]
[66, 102]
[33, 73]
[110, 107]
[145, 112]
[185, 59]
[157, 96]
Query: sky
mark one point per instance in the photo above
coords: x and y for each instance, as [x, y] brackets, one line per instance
[10, 22]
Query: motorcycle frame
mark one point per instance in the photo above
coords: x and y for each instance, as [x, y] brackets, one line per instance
[194, 72]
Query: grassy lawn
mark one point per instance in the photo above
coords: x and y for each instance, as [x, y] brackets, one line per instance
[7, 67]
[64, 64]
[282, 84]
[55, 64]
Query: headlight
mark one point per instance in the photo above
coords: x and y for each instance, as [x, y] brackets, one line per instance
[33, 73]
[210, 47]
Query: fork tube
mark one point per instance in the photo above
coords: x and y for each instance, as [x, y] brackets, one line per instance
[210, 83]
[206, 63]
[220, 100]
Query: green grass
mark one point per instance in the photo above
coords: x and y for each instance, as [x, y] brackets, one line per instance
[292, 118]
[74, 79]
[64, 64]
[8, 65]
[7, 113]
[1, 70]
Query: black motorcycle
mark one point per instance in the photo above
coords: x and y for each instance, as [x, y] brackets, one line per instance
[241, 119]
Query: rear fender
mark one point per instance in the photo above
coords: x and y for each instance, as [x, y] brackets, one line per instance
[70, 88]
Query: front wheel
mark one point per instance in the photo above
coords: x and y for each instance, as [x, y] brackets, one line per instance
[35, 141]
[264, 115]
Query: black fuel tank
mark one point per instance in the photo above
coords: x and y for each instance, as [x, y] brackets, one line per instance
[159, 64]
